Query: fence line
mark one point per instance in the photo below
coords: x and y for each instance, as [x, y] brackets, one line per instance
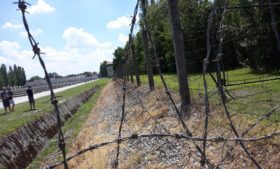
[239, 137]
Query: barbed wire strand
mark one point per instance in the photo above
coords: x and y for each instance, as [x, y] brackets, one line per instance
[222, 93]
[157, 65]
[175, 136]
[22, 5]
[131, 45]
[265, 116]
[116, 164]
[205, 85]
[250, 6]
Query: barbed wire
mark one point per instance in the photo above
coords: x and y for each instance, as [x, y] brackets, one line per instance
[174, 136]
[125, 85]
[205, 85]
[250, 6]
[157, 65]
[239, 138]
[222, 93]
[22, 5]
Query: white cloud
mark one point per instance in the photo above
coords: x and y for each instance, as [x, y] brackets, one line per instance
[123, 38]
[33, 32]
[119, 23]
[82, 52]
[12, 25]
[12, 53]
[41, 7]
[78, 38]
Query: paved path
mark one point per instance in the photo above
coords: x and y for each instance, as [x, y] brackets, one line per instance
[22, 99]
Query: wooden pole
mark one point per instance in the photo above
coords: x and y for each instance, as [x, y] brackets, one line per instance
[178, 44]
[148, 59]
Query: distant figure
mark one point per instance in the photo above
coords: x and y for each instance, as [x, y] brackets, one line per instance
[30, 92]
[5, 99]
[11, 98]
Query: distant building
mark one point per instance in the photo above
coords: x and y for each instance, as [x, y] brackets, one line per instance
[110, 70]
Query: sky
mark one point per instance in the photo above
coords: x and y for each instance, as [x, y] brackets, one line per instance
[76, 35]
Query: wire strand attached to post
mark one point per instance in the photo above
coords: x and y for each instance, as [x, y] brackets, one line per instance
[22, 5]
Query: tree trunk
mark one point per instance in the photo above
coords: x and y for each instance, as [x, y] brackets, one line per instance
[178, 44]
[131, 71]
[148, 59]
[126, 65]
[134, 62]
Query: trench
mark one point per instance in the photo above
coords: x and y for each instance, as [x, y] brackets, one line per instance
[18, 149]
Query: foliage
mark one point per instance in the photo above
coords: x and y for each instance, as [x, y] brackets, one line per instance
[15, 76]
[103, 69]
[54, 75]
[35, 78]
[248, 36]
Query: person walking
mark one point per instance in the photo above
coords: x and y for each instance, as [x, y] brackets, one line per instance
[11, 98]
[31, 99]
[5, 100]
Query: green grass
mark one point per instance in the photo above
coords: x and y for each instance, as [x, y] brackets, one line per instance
[252, 100]
[72, 127]
[22, 114]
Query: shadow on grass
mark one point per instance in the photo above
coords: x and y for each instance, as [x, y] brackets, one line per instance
[3, 114]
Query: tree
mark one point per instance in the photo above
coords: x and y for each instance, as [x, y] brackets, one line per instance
[134, 61]
[4, 73]
[146, 46]
[54, 75]
[12, 76]
[178, 44]
[118, 61]
[103, 69]
[87, 74]
[35, 78]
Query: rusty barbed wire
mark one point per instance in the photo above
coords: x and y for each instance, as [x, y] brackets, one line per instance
[188, 136]
[222, 93]
[133, 21]
[157, 65]
[205, 85]
[174, 136]
[22, 6]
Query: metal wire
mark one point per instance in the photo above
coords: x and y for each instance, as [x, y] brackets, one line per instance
[222, 93]
[175, 136]
[22, 5]
[116, 164]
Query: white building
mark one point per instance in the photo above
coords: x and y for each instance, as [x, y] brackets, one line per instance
[110, 70]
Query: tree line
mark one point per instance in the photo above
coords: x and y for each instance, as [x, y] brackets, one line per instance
[13, 76]
[173, 34]
[248, 36]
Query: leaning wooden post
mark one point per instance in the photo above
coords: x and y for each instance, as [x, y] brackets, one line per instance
[148, 58]
[178, 44]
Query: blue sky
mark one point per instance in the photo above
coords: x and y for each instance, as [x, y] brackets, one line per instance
[76, 35]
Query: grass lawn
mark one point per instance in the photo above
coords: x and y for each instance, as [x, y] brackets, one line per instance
[252, 100]
[22, 114]
[71, 128]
